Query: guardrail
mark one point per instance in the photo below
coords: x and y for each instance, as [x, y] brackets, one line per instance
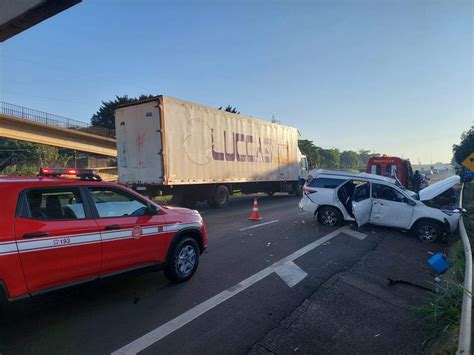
[464, 342]
[52, 120]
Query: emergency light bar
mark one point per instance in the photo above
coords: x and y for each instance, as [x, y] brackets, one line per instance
[86, 174]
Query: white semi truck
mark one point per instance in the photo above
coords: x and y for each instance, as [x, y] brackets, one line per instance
[167, 146]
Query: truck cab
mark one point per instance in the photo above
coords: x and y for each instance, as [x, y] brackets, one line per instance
[393, 167]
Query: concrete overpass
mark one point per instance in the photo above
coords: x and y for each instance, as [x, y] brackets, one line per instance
[30, 125]
[19, 15]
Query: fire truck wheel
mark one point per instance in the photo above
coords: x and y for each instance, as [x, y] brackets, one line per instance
[183, 260]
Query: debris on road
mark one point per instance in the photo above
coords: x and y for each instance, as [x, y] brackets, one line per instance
[439, 263]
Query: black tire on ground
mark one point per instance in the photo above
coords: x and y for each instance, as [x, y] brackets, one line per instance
[220, 198]
[183, 260]
[330, 216]
[427, 231]
[3, 299]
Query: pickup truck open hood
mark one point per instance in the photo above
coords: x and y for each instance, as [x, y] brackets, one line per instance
[438, 188]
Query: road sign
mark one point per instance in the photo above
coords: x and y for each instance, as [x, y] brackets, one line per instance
[469, 162]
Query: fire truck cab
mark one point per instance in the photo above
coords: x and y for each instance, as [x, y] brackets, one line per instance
[393, 167]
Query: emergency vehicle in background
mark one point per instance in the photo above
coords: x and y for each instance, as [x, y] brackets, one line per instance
[393, 167]
[56, 232]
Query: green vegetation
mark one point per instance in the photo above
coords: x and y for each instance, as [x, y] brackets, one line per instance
[443, 309]
[334, 158]
[163, 199]
[231, 109]
[462, 150]
[468, 204]
[19, 158]
[105, 117]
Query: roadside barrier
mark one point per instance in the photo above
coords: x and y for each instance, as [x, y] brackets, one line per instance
[464, 343]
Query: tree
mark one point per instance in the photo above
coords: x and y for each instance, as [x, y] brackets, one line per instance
[350, 160]
[462, 150]
[311, 151]
[330, 158]
[13, 151]
[105, 116]
[24, 158]
[365, 155]
[230, 109]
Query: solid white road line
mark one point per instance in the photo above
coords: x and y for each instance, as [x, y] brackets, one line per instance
[259, 225]
[162, 331]
[355, 234]
[291, 273]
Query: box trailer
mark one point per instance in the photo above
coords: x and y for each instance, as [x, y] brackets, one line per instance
[197, 153]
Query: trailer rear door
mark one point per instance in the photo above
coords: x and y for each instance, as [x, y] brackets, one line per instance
[283, 161]
[139, 144]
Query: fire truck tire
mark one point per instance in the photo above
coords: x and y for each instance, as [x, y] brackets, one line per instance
[183, 260]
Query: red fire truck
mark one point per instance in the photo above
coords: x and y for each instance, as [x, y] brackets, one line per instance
[391, 167]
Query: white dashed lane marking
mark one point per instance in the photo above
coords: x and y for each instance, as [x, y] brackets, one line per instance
[353, 233]
[291, 273]
[259, 225]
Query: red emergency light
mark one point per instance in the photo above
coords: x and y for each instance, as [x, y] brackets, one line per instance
[81, 173]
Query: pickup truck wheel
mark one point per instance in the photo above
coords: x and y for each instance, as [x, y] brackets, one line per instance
[427, 231]
[329, 216]
[183, 260]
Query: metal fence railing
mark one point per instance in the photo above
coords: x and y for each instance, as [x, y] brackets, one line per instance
[464, 342]
[52, 120]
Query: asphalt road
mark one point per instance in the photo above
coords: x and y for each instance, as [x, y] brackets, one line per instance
[106, 316]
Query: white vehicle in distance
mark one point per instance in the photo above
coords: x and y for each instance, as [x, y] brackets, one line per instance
[338, 196]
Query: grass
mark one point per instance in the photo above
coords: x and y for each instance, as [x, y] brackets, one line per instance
[468, 204]
[165, 199]
[442, 312]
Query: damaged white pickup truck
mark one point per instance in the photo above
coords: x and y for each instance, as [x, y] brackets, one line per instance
[336, 196]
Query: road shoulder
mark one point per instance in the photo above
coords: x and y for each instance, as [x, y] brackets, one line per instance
[358, 310]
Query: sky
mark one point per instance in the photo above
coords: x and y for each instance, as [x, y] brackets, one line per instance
[394, 77]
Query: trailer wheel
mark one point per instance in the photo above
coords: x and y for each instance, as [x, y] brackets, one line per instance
[220, 198]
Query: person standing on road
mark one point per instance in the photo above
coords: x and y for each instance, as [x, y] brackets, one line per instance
[416, 181]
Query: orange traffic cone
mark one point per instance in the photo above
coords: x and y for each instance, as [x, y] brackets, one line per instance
[255, 215]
